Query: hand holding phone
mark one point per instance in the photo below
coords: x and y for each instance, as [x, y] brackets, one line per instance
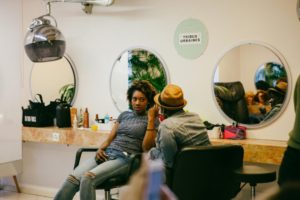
[155, 179]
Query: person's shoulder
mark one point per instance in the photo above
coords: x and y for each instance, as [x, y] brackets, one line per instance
[125, 114]
[191, 114]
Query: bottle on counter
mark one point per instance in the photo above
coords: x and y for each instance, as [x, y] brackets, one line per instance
[73, 113]
[97, 118]
[80, 119]
[106, 119]
[86, 118]
[75, 125]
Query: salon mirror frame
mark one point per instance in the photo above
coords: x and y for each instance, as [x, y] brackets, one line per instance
[75, 77]
[116, 102]
[283, 62]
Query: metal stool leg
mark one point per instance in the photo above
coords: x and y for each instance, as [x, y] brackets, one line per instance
[252, 190]
[107, 195]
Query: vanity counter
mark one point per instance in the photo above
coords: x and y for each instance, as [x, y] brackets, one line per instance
[257, 150]
[68, 136]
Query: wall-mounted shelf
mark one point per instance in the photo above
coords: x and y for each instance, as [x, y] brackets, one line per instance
[68, 136]
[256, 150]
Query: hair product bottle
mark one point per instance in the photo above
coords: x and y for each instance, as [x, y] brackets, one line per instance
[80, 119]
[86, 118]
[73, 113]
[74, 125]
[97, 118]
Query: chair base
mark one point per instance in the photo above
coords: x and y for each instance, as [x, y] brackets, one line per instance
[107, 195]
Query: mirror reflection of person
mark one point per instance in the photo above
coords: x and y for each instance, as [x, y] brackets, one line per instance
[290, 166]
[113, 156]
[258, 105]
[261, 98]
[276, 99]
[179, 128]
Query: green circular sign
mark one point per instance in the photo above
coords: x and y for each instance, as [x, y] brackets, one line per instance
[191, 38]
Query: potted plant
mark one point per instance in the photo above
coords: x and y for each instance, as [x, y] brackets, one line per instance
[67, 92]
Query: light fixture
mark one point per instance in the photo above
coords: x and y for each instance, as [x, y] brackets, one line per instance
[88, 4]
[43, 41]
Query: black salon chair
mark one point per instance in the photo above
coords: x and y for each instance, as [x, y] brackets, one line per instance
[206, 172]
[231, 97]
[113, 182]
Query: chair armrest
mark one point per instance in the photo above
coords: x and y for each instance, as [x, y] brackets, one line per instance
[79, 153]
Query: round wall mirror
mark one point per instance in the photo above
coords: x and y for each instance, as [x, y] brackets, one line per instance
[54, 80]
[135, 64]
[252, 84]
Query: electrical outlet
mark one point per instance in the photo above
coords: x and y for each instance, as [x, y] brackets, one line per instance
[55, 137]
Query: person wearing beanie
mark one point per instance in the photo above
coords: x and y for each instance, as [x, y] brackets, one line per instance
[177, 130]
[290, 166]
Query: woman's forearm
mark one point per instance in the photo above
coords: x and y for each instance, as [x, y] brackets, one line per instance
[150, 135]
[149, 140]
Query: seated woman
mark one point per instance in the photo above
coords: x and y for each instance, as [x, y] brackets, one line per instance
[112, 158]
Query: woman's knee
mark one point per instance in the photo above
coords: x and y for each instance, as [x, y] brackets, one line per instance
[72, 179]
[69, 189]
[87, 178]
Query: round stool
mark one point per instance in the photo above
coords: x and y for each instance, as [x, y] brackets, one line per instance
[255, 174]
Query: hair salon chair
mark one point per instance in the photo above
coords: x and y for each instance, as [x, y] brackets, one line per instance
[232, 99]
[113, 182]
[206, 172]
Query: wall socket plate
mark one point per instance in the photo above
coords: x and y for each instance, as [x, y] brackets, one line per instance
[55, 137]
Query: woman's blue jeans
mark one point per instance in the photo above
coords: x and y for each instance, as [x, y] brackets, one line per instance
[117, 165]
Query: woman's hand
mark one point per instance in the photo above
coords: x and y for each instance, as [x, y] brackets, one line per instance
[101, 155]
[153, 112]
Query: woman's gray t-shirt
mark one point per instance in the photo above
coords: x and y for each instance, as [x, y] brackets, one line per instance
[131, 132]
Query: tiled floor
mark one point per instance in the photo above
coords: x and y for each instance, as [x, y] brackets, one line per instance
[12, 195]
[243, 195]
[8, 195]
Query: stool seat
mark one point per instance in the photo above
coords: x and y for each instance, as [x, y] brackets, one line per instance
[255, 174]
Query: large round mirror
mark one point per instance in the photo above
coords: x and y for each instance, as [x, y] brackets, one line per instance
[54, 80]
[135, 64]
[252, 84]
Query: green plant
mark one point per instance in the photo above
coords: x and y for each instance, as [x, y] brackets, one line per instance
[146, 66]
[67, 92]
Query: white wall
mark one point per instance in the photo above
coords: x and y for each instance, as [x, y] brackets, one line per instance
[10, 81]
[95, 41]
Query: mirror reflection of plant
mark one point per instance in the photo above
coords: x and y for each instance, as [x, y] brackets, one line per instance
[146, 66]
[67, 92]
